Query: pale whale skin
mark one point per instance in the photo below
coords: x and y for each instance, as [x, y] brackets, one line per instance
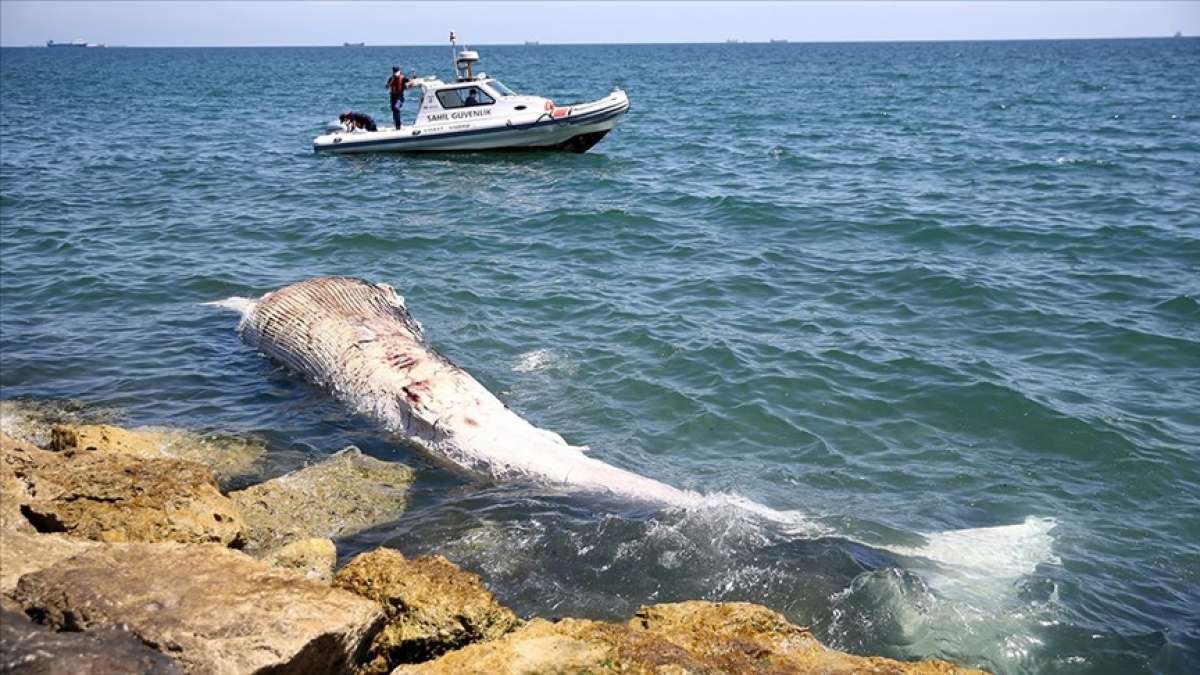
[358, 340]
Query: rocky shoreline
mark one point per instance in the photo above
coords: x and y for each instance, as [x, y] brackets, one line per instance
[121, 553]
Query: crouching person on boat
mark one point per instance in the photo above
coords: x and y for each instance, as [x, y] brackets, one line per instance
[354, 121]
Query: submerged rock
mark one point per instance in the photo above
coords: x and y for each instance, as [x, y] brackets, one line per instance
[432, 606]
[227, 456]
[117, 497]
[347, 493]
[30, 420]
[22, 553]
[314, 558]
[214, 610]
[687, 637]
[66, 424]
[26, 647]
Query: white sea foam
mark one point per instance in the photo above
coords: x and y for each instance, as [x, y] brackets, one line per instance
[1080, 160]
[17, 423]
[539, 360]
[1000, 554]
[795, 523]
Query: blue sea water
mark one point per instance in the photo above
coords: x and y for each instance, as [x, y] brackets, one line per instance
[923, 318]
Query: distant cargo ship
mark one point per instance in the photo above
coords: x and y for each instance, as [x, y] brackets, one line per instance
[732, 41]
[354, 44]
[778, 42]
[72, 43]
[532, 43]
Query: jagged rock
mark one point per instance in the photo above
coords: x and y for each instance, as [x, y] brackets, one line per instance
[26, 647]
[7, 604]
[347, 493]
[213, 609]
[314, 558]
[22, 553]
[12, 496]
[117, 497]
[13, 491]
[432, 606]
[226, 456]
[687, 637]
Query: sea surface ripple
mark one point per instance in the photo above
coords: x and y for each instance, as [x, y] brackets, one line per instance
[938, 301]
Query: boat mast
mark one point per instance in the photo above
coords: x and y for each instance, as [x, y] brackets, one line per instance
[462, 61]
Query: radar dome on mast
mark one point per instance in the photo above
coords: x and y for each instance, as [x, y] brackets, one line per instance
[464, 60]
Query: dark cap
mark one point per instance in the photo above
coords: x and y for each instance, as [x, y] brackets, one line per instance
[395, 69]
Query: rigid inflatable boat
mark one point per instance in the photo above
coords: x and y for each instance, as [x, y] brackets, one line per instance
[477, 112]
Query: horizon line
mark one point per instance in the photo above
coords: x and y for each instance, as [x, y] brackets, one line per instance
[536, 43]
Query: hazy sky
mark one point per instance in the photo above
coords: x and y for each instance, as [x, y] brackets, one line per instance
[315, 23]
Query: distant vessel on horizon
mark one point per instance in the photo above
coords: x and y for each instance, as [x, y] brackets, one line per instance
[1178, 34]
[732, 41]
[72, 43]
[354, 44]
[532, 43]
[777, 42]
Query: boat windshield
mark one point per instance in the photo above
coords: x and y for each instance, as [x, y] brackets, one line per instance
[500, 88]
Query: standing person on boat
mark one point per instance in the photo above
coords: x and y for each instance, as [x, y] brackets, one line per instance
[395, 86]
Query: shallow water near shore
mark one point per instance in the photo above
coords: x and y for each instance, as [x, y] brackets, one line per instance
[923, 319]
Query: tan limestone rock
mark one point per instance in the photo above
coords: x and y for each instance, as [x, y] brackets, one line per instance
[313, 558]
[22, 553]
[13, 491]
[688, 637]
[347, 493]
[20, 460]
[226, 456]
[12, 496]
[116, 497]
[26, 647]
[212, 609]
[432, 605]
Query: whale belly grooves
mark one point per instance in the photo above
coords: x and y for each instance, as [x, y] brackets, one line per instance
[358, 340]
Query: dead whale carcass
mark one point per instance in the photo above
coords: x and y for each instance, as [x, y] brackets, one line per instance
[358, 340]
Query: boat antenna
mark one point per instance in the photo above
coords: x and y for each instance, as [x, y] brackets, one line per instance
[454, 53]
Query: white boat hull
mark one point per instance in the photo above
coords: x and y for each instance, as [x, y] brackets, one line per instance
[577, 129]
